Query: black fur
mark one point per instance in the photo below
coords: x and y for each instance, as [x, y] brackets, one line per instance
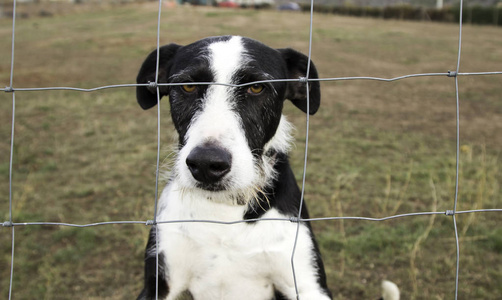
[260, 115]
[149, 292]
[191, 59]
[285, 196]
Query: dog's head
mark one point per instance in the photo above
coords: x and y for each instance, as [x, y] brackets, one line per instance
[228, 134]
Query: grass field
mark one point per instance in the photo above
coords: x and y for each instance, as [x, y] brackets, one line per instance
[376, 149]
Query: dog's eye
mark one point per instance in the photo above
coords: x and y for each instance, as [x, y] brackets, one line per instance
[255, 89]
[189, 88]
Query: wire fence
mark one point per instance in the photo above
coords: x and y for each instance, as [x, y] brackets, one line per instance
[455, 74]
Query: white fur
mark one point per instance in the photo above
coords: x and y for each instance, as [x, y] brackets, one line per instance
[218, 123]
[390, 290]
[214, 261]
[237, 261]
[282, 139]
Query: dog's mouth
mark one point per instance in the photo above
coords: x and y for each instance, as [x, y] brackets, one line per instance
[211, 187]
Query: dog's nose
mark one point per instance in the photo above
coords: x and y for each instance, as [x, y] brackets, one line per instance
[208, 164]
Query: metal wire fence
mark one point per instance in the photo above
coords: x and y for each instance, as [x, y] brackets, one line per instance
[453, 212]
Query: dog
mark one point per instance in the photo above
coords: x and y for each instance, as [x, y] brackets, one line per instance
[226, 98]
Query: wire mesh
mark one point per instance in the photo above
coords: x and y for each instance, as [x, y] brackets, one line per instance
[154, 222]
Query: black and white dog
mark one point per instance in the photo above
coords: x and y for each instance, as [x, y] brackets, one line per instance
[231, 164]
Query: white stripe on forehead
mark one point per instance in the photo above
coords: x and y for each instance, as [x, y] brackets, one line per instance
[218, 122]
[226, 57]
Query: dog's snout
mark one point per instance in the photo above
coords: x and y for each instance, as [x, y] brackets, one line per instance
[209, 164]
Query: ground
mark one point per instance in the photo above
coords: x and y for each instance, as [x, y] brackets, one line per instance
[376, 148]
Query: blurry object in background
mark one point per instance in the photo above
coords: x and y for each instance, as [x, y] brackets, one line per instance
[228, 4]
[289, 6]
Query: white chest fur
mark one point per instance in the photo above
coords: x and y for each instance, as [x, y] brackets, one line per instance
[237, 261]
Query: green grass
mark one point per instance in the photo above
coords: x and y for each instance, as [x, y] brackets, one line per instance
[376, 149]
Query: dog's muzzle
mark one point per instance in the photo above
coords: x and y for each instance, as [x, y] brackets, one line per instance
[208, 165]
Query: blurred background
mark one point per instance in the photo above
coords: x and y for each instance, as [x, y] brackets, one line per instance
[376, 148]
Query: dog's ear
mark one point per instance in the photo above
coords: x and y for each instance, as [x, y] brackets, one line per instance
[297, 92]
[146, 95]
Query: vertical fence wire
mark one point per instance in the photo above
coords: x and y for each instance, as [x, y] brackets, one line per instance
[304, 175]
[10, 194]
[298, 220]
[157, 171]
[457, 155]
[11, 157]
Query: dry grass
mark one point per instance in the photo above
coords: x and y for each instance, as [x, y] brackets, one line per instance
[375, 148]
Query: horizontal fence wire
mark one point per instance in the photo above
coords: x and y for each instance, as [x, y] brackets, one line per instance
[154, 222]
[132, 85]
[292, 219]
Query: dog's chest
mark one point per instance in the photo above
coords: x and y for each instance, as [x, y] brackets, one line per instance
[218, 264]
[221, 261]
